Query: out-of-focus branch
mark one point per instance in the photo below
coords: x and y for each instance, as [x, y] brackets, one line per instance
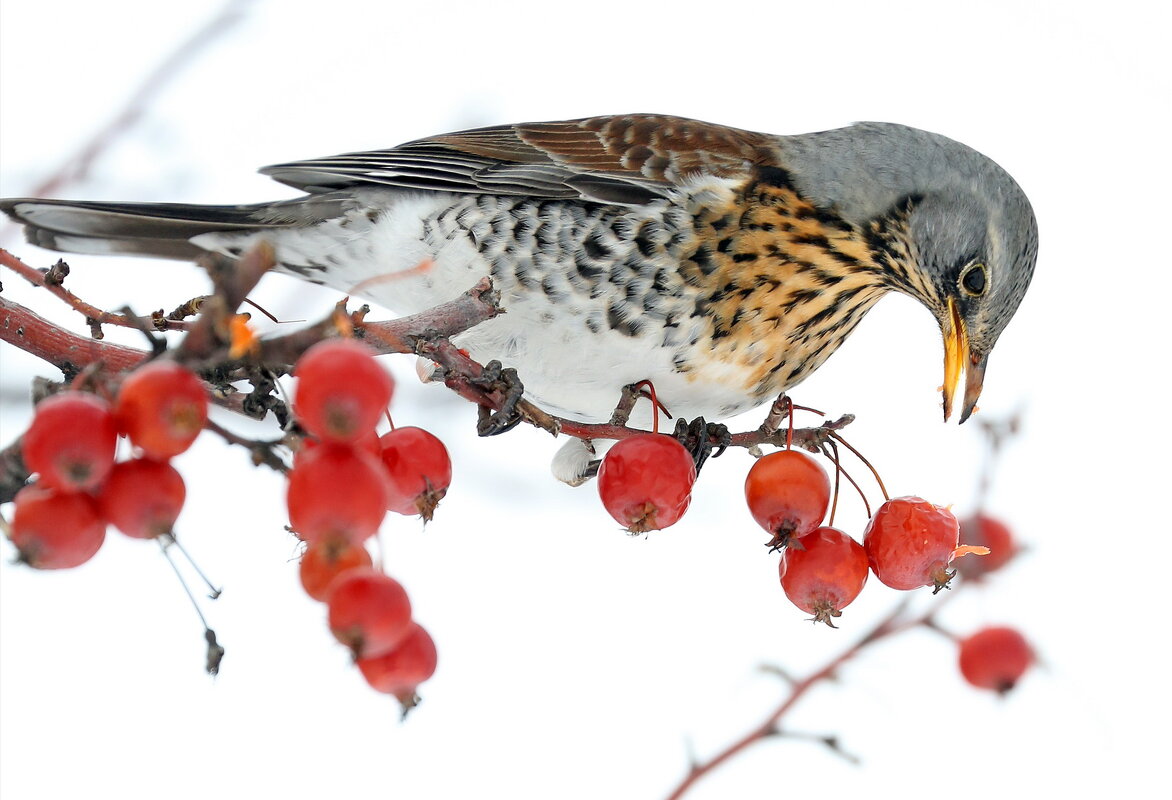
[167, 71]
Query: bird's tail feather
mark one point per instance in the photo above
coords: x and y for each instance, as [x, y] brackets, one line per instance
[162, 230]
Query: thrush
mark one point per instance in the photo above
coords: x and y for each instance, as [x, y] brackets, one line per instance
[723, 265]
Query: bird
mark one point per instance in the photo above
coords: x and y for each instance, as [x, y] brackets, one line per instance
[722, 265]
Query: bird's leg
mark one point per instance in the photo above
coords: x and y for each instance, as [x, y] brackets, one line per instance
[496, 378]
[700, 436]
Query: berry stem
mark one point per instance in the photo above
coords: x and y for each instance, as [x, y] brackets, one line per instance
[875, 472]
[215, 652]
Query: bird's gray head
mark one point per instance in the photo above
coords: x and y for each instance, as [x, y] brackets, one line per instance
[973, 235]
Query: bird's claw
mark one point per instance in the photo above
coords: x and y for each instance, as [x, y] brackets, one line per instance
[699, 437]
[496, 378]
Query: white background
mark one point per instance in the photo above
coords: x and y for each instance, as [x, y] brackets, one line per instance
[576, 662]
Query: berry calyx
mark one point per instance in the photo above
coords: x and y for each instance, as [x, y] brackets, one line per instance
[788, 493]
[981, 529]
[54, 529]
[336, 493]
[400, 671]
[369, 612]
[419, 471]
[142, 498]
[323, 562]
[995, 658]
[341, 390]
[645, 482]
[71, 441]
[162, 407]
[910, 543]
[824, 574]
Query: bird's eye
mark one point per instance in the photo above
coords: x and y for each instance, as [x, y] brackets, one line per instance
[972, 280]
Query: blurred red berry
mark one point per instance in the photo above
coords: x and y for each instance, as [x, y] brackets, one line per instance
[788, 493]
[323, 562]
[400, 671]
[142, 498]
[341, 390]
[645, 482]
[368, 442]
[71, 441]
[910, 542]
[995, 658]
[419, 471]
[824, 573]
[162, 407]
[54, 529]
[986, 531]
[336, 493]
[369, 612]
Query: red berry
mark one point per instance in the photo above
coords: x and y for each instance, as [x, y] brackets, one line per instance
[645, 482]
[162, 407]
[341, 390]
[823, 573]
[323, 562]
[400, 671]
[369, 612]
[337, 493]
[142, 498]
[910, 543]
[788, 494]
[419, 471]
[71, 441]
[368, 442]
[53, 529]
[995, 658]
[987, 532]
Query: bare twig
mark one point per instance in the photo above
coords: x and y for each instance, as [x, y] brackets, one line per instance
[79, 164]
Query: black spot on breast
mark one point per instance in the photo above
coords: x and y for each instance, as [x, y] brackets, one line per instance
[702, 258]
[595, 248]
[741, 258]
[616, 321]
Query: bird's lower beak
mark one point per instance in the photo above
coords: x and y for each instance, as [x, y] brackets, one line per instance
[959, 358]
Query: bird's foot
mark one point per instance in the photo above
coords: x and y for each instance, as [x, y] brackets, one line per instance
[504, 380]
[700, 437]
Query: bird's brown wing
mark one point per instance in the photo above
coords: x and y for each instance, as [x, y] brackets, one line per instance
[630, 159]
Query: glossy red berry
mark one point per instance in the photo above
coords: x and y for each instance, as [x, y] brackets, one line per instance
[995, 658]
[53, 529]
[788, 493]
[984, 530]
[645, 482]
[71, 441]
[342, 391]
[336, 493]
[910, 543]
[369, 612]
[824, 573]
[400, 671]
[419, 471]
[142, 498]
[323, 562]
[162, 407]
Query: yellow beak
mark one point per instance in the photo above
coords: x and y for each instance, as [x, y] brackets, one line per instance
[957, 359]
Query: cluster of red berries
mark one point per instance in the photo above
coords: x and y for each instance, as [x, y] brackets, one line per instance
[908, 542]
[60, 518]
[343, 481]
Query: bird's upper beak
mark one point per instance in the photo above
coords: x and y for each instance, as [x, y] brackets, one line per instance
[957, 358]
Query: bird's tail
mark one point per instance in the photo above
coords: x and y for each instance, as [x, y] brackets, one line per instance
[162, 230]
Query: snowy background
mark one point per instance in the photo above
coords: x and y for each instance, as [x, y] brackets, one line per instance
[576, 662]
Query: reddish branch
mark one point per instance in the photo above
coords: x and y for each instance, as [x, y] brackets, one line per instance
[66, 351]
[892, 624]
